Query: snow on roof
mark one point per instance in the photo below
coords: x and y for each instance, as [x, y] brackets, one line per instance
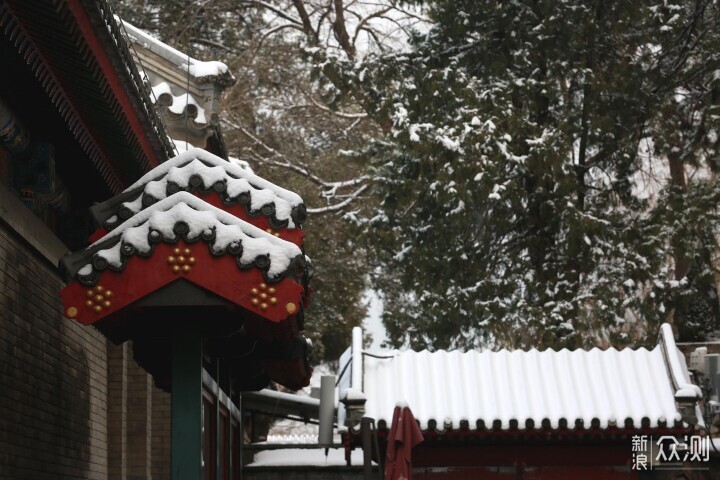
[685, 390]
[530, 389]
[241, 163]
[198, 69]
[182, 104]
[223, 232]
[171, 85]
[236, 183]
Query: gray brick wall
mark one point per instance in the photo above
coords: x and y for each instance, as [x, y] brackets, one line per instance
[117, 411]
[139, 422]
[53, 376]
[160, 434]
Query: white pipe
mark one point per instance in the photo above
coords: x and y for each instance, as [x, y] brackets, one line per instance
[357, 359]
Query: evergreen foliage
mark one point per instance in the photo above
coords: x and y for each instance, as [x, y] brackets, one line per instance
[515, 208]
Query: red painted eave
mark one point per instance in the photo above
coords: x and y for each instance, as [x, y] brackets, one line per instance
[117, 290]
[87, 30]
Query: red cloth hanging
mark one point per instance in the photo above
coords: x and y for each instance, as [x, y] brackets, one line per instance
[404, 435]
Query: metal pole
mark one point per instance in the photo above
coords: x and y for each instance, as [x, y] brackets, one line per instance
[186, 402]
[367, 448]
[327, 411]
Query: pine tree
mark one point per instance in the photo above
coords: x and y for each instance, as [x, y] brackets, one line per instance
[510, 208]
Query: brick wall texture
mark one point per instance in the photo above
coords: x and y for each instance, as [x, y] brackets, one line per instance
[72, 404]
[117, 411]
[53, 376]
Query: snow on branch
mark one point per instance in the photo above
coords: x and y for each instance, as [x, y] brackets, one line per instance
[336, 113]
[341, 205]
[329, 189]
[338, 25]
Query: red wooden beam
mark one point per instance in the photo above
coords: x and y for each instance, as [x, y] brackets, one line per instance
[88, 32]
[220, 275]
[530, 454]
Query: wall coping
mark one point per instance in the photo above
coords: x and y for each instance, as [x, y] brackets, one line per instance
[30, 227]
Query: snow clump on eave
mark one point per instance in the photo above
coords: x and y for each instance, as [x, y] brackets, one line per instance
[201, 219]
[212, 169]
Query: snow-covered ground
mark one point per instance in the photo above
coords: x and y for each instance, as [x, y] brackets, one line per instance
[291, 431]
[303, 456]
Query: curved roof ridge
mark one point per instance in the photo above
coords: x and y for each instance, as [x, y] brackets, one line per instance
[204, 155]
[198, 68]
[201, 220]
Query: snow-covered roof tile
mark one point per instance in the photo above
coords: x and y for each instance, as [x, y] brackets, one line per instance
[528, 390]
[183, 215]
[181, 105]
[199, 169]
[200, 70]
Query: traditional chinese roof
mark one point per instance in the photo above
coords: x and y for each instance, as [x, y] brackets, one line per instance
[185, 90]
[526, 391]
[218, 181]
[183, 236]
[77, 54]
[201, 72]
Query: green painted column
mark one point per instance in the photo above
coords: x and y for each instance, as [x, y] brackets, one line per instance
[186, 427]
[241, 426]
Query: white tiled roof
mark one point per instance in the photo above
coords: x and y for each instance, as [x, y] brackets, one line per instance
[530, 389]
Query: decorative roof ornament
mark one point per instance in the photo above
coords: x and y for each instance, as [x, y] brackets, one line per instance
[185, 90]
[183, 236]
[201, 239]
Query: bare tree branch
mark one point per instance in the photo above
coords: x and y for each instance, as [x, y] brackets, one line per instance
[275, 30]
[306, 23]
[373, 34]
[295, 165]
[367, 19]
[320, 21]
[275, 10]
[341, 205]
[213, 43]
[341, 29]
[336, 113]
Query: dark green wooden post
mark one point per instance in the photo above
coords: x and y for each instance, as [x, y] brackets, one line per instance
[241, 426]
[186, 402]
